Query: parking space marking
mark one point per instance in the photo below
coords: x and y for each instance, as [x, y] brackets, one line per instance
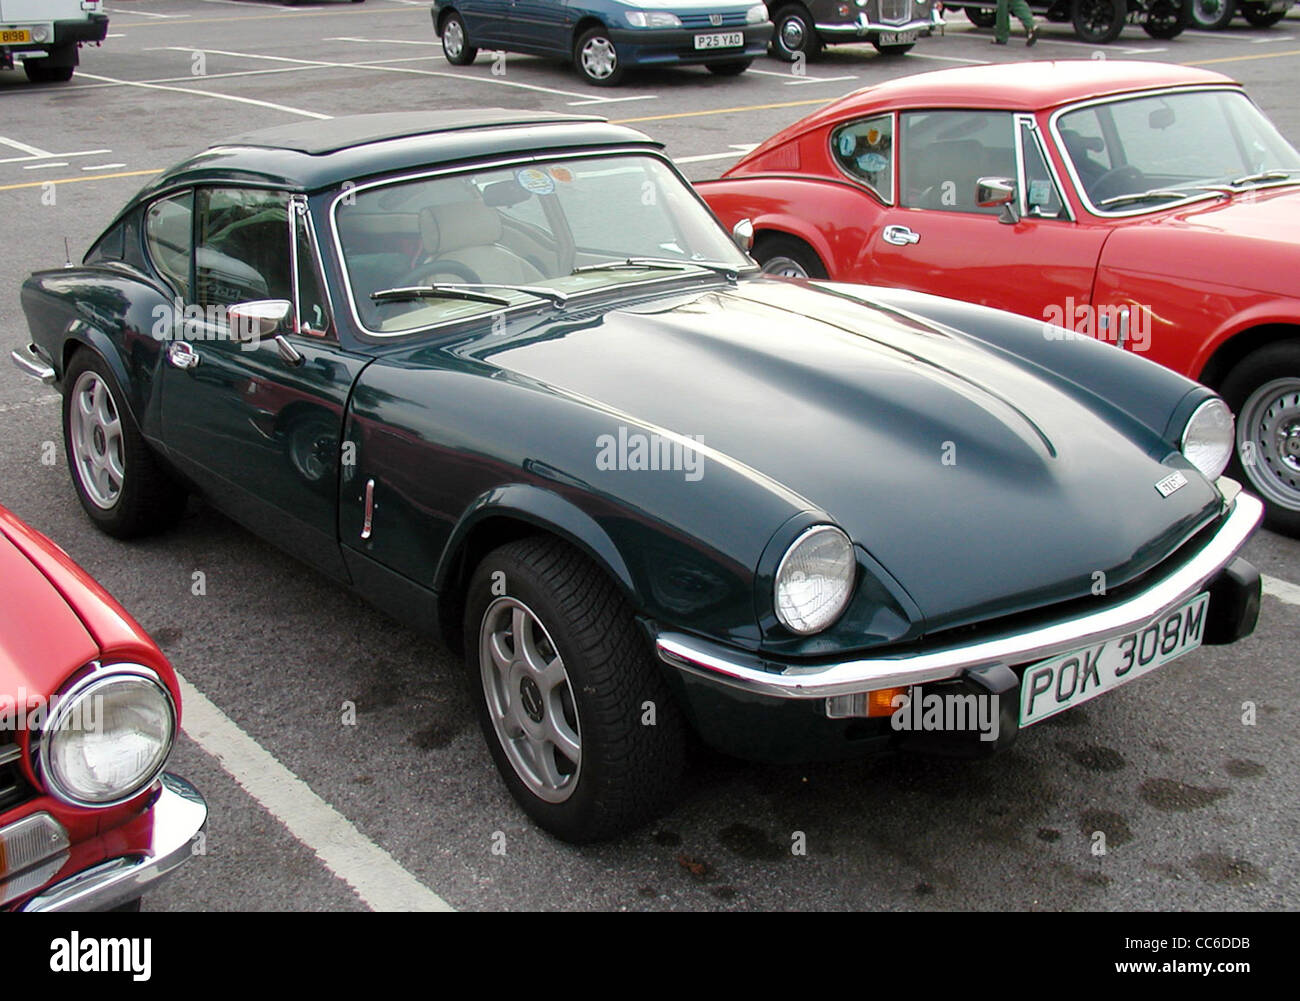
[719, 111]
[34, 151]
[105, 166]
[1238, 59]
[737, 150]
[210, 93]
[791, 80]
[1283, 590]
[78, 180]
[389, 68]
[948, 59]
[46, 166]
[1131, 50]
[45, 156]
[144, 13]
[374, 875]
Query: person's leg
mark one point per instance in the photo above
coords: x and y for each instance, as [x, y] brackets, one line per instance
[1002, 26]
[1021, 9]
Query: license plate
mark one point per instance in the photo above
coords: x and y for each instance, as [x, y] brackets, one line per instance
[14, 37]
[897, 37]
[1052, 686]
[720, 40]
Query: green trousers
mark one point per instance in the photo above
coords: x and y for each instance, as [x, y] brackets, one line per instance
[1002, 29]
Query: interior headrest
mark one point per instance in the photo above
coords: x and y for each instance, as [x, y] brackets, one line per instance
[444, 229]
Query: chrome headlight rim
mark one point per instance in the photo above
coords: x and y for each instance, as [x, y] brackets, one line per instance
[1214, 404]
[800, 540]
[99, 676]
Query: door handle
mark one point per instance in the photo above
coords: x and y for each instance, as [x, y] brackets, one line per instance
[899, 236]
[182, 355]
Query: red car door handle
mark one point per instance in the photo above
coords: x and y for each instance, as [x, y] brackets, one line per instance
[899, 236]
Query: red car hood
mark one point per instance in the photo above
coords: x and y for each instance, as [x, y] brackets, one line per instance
[41, 638]
[1244, 241]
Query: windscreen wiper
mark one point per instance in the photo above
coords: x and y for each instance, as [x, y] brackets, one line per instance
[470, 291]
[1263, 175]
[657, 264]
[1182, 192]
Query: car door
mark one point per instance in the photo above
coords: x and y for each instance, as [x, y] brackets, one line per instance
[935, 237]
[487, 21]
[539, 25]
[256, 423]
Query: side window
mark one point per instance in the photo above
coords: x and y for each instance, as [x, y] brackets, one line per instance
[312, 305]
[168, 235]
[865, 151]
[108, 247]
[242, 250]
[945, 153]
[1042, 199]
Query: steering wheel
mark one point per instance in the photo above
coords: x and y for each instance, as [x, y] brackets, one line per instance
[440, 267]
[1119, 179]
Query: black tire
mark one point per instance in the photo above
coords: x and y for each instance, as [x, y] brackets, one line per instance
[1212, 15]
[892, 50]
[459, 51]
[1166, 18]
[734, 68]
[1278, 361]
[629, 772]
[794, 31]
[1260, 16]
[39, 71]
[148, 499]
[981, 17]
[588, 66]
[1099, 21]
[773, 249]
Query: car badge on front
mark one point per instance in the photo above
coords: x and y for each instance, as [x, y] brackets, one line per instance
[715, 19]
[1172, 482]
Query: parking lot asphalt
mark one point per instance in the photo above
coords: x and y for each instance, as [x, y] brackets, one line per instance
[404, 809]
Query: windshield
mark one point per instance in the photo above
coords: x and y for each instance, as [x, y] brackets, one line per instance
[546, 226]
[1142, 153]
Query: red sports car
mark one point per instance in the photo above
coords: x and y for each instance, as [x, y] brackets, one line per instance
[1147, 204]
[89, 709]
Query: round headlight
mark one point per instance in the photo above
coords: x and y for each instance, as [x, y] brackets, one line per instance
[1208, 438]
[40, 33]
[108, 737]
[815, 579]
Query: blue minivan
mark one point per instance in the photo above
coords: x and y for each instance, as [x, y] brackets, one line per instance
[603, 38]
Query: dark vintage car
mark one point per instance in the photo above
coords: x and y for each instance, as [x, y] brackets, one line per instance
[605, 38]
[639, 485]
[1098, 21]
[1079, 193]
[807, 26]
[1212, 15]
[89, 710]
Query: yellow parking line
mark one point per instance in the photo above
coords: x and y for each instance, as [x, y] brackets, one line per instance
[1237, 59]
[77, 180]
[722, 111]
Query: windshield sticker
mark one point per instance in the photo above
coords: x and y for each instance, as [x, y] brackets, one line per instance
[1040, 192]
[847, 142]
[873, 137]
[562, 174]
[537, 181]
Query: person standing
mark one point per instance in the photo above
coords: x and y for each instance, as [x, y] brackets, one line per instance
[1002, 28]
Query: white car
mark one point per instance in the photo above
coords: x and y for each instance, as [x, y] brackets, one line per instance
[47, 34]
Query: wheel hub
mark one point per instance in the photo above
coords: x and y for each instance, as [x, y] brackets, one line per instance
[530, 698]
[792, 34]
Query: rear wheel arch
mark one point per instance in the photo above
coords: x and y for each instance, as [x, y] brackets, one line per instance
[768, 236]
[99, 344]
[1244, 342]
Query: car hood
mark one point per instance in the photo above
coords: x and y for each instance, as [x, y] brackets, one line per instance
[1247, 241]
[981, 487]
[42, 640]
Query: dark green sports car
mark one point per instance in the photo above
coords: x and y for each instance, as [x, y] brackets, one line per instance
[504, 374]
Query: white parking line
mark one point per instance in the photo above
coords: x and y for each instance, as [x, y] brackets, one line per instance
[383, 41]
[948, 59]
[24, 148]
[105, 166]
[1282, 590]
[1128, 51]
[46, 165]
[242, 3]
[143, 13]
[374, 875]
[208, 93]
[735, 151]
[47, 156]
[382, 68]
[792, 80]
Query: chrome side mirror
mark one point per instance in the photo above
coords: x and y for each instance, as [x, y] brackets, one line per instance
[743, 234]
[998, 192]
[251, 322]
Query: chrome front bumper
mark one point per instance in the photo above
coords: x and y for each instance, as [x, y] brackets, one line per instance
[179, 813]
[752, 673]
[864, 26]
[27, 361]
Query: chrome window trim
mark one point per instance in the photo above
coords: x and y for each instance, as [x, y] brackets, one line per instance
[894, 159]
[177, 295]
[318, 262]
[352, 190]
[1200, 196]
[1023, 119]
[97, 675]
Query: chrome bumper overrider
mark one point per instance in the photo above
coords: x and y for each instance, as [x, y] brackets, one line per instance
[752, 673]
[30, 363]
[179, 813]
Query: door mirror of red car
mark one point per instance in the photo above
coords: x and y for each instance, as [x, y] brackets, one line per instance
[743, 234]
[998, 192]
[251, 321]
